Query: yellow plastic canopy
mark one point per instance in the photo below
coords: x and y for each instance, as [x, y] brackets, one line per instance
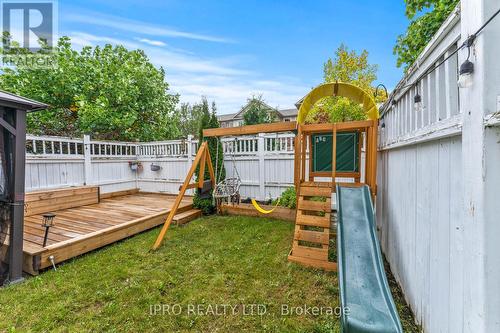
[350, 91]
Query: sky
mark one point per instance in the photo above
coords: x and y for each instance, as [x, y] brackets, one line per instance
[231, 50]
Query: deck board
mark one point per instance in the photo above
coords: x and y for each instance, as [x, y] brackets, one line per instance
[81, 229]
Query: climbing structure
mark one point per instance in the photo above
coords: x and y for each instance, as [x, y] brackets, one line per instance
[312, 226]
[329, 158]
[323, 154]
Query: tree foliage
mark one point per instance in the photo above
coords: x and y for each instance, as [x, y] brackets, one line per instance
[350, 67]
[208, 119]
[108, 92]
[190, 117]
[258, 112]
[426, 17]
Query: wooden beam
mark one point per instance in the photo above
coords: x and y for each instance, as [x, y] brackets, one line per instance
[334, 154]
[311, 156]
[201, 173]
[163, 231]
[285, 126]
[304, 156]
[190, 186]
[297, 155]
[341, 127]
[211, 168]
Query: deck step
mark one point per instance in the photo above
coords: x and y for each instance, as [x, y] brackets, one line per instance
[316, 206]
[321, 237]
[313, 220]
[311, 191]
[187, 216]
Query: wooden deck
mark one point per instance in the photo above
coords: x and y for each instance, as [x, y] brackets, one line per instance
[84, 228]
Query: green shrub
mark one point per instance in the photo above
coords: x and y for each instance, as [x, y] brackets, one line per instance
[209, 120]
[288, 198]
[205, 205]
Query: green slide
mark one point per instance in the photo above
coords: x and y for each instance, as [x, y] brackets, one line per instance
[364, 292]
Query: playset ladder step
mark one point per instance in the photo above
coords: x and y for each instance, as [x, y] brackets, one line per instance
[316, 206]
[312, 191]
[321, 237]
[308, 262]
[316, 253]
[313, 220]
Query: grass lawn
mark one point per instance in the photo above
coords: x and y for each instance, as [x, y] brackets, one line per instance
[209, 263]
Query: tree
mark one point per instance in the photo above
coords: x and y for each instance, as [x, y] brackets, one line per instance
[108, 92]
[209, 120]
[422, 27]
[189, 119]
[349, 67]
[258, 112]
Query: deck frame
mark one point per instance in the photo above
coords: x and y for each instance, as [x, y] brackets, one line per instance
[80, 229]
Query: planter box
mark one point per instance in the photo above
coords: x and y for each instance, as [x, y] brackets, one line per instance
[281, 213]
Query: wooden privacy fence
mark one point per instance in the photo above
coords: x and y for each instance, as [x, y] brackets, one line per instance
[264, 162]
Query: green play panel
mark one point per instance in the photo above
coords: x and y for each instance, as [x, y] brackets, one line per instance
[347, 152]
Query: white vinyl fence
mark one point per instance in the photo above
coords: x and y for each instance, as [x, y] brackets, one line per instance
[437, 177]
[264, 163]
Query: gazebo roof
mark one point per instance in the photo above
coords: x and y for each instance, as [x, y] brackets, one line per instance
[12, 100]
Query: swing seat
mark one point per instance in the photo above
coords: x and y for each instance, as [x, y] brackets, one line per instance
[227, 188]
[262, 210]
[204, 192]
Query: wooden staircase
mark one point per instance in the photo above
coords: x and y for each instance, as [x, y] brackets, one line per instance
[312, 226]
[185, 217]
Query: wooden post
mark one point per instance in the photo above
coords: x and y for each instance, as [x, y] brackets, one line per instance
[360, 152]
[201, 174]
[297, 155]
[368, 156]
[211, 168]
[311, 156]
[374, 157]
[202, 152]
[334, 154]
[304, 156]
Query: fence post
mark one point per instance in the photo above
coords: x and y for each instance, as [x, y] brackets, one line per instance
[87, 170]
[262, 177]
[190, 149]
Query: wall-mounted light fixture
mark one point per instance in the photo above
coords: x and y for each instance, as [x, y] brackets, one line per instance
[376, 90]
[465, 79]
[417, 100]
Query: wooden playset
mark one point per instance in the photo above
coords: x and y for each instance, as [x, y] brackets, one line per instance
[323, 154]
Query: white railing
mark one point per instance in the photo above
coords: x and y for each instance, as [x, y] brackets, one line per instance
[112, 149]
[53, 145]
[172, 148]
[264, 163]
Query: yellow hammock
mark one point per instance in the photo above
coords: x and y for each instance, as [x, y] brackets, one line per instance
[264, 211]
